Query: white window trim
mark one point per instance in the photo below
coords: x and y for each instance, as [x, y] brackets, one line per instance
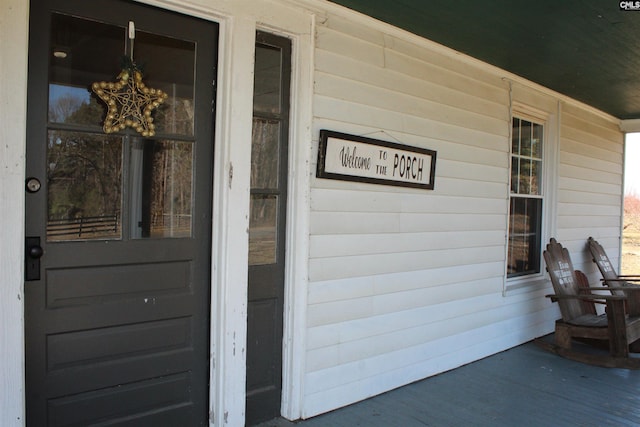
[550, 155]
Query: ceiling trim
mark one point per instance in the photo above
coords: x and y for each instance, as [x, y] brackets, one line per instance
[630, 125]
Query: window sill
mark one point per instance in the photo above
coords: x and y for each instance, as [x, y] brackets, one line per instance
[525, 285]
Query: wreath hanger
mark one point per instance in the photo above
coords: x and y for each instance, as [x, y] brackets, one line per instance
[129, 101]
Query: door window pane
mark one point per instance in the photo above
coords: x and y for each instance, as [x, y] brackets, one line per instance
[262, 229]
[267, 80]
[86, 180]
[265, 153]
[161, 190]
[76, 63]
[84, 173]
[175, 114]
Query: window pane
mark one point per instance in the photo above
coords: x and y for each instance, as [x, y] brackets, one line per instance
[536, 174]
[262, 229]
[525, 176]
[536, 141]
[515, 174]
[76, 64]
[515, 137]
[84, 187]
[528, 176]
[155, 52]
[267, 79]
[524, 236]
[525, 138]
[161, 193]
[265, 153]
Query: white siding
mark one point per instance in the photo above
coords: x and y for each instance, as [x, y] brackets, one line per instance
[408, 283]
[590, 185]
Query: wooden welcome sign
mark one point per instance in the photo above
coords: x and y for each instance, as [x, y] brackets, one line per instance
[358, 158]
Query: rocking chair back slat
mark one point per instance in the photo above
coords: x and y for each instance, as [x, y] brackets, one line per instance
[565, 281]
[612, 279]
[604, 264]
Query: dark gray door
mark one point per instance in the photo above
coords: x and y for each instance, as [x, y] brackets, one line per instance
[118, 220]
[267, 226]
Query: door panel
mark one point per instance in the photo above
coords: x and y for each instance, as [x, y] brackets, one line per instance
[117, 324]
[267, 226]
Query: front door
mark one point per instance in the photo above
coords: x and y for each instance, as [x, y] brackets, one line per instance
[118, 214]
[269, 170]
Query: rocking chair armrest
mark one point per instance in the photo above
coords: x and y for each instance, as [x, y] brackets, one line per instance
[620, 279]
[556, 297]
[624, 288]
[596, 288]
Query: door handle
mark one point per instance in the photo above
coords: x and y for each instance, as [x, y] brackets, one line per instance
[33, 253]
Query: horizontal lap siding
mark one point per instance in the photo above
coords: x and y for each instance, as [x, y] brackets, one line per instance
[590, 179]
[393, 271]
[407, 283]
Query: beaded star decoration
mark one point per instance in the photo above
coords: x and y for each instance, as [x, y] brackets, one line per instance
[129, 102]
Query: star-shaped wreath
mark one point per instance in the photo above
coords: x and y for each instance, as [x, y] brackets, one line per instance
[129, 102]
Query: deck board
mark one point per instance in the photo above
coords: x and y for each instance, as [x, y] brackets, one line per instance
[521, 386]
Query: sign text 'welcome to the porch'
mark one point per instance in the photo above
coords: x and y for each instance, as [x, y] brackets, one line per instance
[357, 158]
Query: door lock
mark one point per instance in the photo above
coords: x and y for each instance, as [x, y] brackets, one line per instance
[33, 185]
[33, 253]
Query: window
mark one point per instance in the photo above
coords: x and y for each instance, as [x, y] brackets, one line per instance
[526, 198]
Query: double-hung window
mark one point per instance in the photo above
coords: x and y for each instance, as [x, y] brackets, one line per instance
[526, 198]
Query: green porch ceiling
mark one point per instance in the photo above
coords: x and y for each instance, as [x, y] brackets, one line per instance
[588, 50]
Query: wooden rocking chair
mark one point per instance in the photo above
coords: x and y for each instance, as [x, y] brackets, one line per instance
[612, 279]
[615, 329]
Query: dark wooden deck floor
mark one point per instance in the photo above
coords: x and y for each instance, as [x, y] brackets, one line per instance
[524, 386]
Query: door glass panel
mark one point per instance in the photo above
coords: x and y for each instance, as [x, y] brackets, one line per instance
[161, 182]
[83, 180]
[169, 65]
[85, 168]
[262, 229]
[265, 153]
[267, 81]
[76, 62]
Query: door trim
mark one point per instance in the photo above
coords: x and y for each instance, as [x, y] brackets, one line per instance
[296, 278]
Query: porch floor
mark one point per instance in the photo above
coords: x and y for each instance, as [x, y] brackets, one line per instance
[523, 386]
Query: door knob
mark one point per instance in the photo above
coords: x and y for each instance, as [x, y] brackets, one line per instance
[35, 251]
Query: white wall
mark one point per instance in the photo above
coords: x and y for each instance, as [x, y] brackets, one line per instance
[407, 283]
[590, 186]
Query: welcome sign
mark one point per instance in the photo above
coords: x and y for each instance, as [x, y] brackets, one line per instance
[357, 158]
